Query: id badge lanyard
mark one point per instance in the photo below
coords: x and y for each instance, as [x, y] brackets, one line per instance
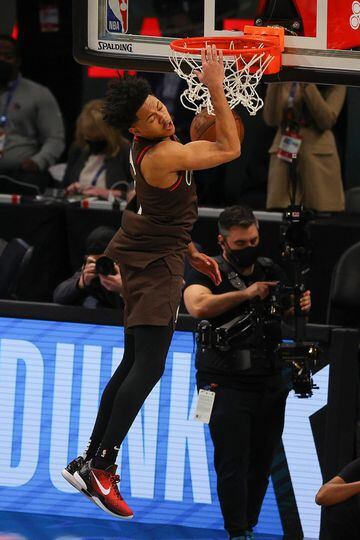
[96, 177]
[4, 114]
[290, 141]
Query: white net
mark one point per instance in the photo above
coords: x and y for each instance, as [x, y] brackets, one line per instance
[242, 75]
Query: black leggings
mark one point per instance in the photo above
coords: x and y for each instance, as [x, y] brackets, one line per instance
[142, 366]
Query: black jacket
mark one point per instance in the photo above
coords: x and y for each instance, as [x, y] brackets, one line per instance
[117, 168]
[95, 295]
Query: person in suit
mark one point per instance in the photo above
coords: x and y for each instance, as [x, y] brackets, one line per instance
[31, 127]
[98, 163]
[311, 112]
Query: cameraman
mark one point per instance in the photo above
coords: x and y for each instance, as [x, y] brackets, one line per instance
[87, 287]
[247, 419]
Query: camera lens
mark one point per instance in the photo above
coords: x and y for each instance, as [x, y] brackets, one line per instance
[105, 266]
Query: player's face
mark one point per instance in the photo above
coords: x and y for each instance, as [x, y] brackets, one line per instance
[154, 120]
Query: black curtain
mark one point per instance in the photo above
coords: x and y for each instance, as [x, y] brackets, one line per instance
[47, 56]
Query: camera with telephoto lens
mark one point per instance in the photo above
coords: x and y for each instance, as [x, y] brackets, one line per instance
[104, 265]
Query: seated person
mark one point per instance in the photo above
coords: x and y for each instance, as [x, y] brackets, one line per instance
[86, 287]
[98, 163]
[31, 126]
[340, 497]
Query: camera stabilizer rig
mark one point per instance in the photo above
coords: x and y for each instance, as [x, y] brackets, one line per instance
[296, 250]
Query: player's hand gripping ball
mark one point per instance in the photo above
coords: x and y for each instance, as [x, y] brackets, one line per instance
[203, 127]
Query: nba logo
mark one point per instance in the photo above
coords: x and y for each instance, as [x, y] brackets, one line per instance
[117, 16]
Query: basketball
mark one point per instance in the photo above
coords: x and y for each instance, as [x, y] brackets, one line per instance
[203, 127]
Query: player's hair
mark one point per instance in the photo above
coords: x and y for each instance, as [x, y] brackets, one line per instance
[236, 216]
[123, 99]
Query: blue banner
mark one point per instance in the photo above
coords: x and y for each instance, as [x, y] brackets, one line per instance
[51, 378]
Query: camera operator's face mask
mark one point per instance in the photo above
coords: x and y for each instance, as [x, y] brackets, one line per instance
[242, 258]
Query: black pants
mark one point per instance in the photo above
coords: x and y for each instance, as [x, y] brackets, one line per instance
[142, 366]
[246, 427]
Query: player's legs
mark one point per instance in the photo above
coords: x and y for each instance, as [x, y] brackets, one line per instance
[98, 476]
[109, 394]
[104, 412]
[151, 345]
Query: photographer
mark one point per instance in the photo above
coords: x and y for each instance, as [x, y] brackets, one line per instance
[247, 419]
[88, 287]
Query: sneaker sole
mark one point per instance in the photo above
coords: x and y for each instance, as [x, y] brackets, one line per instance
[96, 500]
[72, 480]
[103, 507]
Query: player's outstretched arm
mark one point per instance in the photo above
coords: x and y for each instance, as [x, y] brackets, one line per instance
[212, 76]
[172, 156]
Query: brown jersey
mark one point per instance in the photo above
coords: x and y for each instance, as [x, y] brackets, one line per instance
[152, 241]
[157, 222]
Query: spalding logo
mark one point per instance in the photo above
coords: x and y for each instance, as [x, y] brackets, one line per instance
[111, 46]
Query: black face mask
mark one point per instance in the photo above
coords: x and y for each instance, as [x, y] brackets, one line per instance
[243, 258]
[97, 147]
[6, 72]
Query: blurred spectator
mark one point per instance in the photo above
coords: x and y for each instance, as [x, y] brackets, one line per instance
[31, 126]
[99, 158]
[307, 113]
[86, 287]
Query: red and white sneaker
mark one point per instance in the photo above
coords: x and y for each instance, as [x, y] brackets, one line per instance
[103, 488]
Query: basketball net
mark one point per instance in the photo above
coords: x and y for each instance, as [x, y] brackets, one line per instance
[243, 67]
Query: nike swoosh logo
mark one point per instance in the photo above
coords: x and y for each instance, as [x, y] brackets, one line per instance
[101, 487]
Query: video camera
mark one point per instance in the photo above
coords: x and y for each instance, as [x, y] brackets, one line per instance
[296, 250]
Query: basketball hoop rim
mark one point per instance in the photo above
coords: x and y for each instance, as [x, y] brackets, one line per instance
[246, 59]
[194, 45]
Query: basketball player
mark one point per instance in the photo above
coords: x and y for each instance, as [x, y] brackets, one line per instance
[150, 248]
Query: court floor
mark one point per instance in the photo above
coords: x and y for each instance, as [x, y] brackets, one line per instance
[19, 526]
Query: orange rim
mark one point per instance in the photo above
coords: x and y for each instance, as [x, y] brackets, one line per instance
[241, 45]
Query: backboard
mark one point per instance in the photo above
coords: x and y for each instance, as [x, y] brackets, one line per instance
[322, 42]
